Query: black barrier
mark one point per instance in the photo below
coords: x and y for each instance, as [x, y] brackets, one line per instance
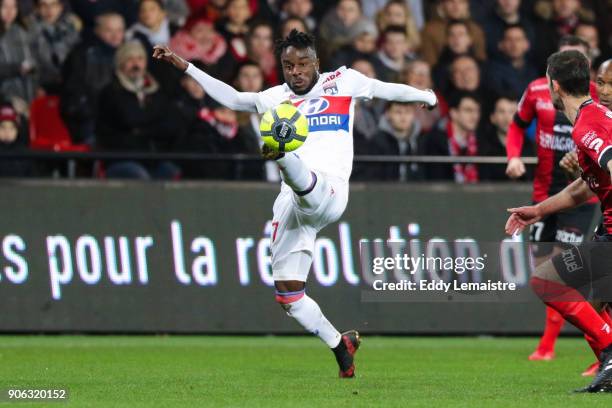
[194, 257]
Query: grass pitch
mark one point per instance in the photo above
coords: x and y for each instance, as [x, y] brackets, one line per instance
[194, 371]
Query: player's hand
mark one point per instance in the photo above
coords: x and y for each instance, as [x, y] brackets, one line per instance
[521, 217]
[515, 168]
[569, 163]
[162, 52]
[428, 106]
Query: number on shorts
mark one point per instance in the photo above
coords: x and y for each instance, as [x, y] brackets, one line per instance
[275, 226]
[536, 230]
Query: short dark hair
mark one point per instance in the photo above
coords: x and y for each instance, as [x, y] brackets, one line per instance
[455, 22]
[515, 25]
[455, 98]
[571, 69]
[394, 29]
[390, 104]
[295, 39]
[573, 41]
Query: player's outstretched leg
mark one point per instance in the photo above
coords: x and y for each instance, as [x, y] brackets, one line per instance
[552, 328]
[291, 295]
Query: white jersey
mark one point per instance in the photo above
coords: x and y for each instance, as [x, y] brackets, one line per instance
[329, 107]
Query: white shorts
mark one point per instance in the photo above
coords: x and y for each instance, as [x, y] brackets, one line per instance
[296, 222]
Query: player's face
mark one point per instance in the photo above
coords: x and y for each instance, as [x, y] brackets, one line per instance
[554, 94]
[300, 68]
[604, 84]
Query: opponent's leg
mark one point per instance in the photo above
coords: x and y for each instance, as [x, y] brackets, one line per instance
[571, 304]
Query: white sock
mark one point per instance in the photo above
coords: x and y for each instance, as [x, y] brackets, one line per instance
[308, 313]
[295, 173]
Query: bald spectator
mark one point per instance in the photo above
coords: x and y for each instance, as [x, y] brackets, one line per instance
[88, 69]
[434, 33]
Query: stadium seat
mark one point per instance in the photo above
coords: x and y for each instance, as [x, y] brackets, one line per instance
[47, 130]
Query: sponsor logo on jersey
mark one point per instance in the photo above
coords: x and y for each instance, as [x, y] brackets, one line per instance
[543, 104]
[554, 142]
[326, 113]
[332, 77]
[330, 89]
[564, 129]
[591, 141]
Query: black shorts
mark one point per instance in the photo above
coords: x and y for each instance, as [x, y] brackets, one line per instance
[567, 227]
[588, 268]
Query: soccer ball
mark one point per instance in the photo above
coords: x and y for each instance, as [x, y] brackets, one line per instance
[283, 128]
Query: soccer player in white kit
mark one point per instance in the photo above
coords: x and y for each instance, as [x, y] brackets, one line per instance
[315, 188]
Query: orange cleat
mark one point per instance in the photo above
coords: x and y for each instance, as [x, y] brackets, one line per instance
[542, 356]
[591, 370]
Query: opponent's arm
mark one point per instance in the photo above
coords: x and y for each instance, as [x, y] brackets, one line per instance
[578, 192]
[516, 135]
[218, 90]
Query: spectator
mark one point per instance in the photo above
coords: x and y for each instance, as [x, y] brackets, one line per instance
[17, 63]
[289, 24]
[512, 72]
[89, 11]
[398, 135]
[505, 13]
[372, 7]
[465, 76]
[88, 69]
[134, 115]
[335, 28]
[234, 27]
[260, 48]
[363, 46]
[367, 111]
[393, 55]
[493, 138]
[588, 32]
[54, 32]
[198, 40]
[397, 13]
[178, 11]
[458, 42]
[154, 27]
[301, 9]
[557, 18]
[418, 74]
[455, 137]
[434, 33]
[12, 139]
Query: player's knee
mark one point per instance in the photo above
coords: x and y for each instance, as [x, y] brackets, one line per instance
[285, 298]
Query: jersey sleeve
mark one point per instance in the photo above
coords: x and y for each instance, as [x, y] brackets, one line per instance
[522, 119]
[269, 98]
[595, 142]
[356, 84]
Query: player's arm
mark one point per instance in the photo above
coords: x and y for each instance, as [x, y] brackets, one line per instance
[516, 135]
[575, 194]
[218, 90]
[403, 93]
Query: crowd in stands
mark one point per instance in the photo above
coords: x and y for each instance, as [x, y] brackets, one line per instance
[90, 62]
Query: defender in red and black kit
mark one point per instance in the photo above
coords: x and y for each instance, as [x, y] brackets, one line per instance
[583, 272]
[553, 141]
